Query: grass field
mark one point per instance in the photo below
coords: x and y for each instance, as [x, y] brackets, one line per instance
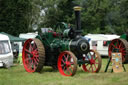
[17, 75]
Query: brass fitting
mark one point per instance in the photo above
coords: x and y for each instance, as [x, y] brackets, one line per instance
[77, 8]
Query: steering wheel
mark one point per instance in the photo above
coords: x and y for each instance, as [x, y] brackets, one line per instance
[60, 27]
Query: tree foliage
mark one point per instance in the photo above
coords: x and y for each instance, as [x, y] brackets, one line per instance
[15, 16]
[97, 16]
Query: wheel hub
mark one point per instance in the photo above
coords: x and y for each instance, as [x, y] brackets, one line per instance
[68, 64]
[92, 61]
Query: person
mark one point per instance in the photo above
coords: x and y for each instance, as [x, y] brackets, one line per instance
[69, 25]
[19, 60]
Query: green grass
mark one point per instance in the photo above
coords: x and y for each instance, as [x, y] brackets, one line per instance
[17, 75]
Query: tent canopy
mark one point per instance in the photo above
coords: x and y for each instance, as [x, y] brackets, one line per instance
[13, 38]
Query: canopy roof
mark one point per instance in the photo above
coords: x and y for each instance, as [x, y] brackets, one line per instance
[102, 36]
[13, 38]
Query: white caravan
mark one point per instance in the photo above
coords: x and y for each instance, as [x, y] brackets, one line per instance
[6, 55]
[99, 42]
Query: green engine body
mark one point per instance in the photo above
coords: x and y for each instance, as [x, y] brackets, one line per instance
[55, 43]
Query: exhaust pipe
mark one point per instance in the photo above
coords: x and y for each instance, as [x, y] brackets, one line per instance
[77, 10]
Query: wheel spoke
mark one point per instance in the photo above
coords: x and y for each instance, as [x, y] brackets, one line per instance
[94, 55]
[113, 45]
[92, 68]
[95, 66]
[95, 58]
[71, 63]
[26, 50]
[68, 71]
[123, 54]
[71, 68]
[36, 57]
[29, 66]
[30, 46]
[36, 61]
[123, 51]
[96, 63]
[117, 43]
[63, 61]
[64, 68]
[34, 46]
[67, 57]
[121, 44]
[35, 50]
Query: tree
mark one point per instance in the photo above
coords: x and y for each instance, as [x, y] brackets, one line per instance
[15, 16]
[97, 16]
[57, 11]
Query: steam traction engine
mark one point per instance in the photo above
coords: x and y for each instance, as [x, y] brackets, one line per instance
[61, 50]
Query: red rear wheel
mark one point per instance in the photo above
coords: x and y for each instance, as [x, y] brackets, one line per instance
[119, 45]
[33, 55]
[67, 63]
[95, 61]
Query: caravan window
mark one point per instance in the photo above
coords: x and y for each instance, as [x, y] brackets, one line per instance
[94, 43]
[106, 43]
[4, 47]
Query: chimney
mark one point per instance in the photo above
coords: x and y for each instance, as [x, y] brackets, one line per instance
[77, 10]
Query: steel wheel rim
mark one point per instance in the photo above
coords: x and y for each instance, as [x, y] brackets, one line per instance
[30, 56]
[95, 62]
[120, 45]
[67, 63]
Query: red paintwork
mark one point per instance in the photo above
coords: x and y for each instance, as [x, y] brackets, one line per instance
[93, 65]
[30, 56]
[65, 64]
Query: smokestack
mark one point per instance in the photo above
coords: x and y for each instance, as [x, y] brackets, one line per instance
[77, 10]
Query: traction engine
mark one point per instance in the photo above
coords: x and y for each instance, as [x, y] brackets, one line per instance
[62, 49]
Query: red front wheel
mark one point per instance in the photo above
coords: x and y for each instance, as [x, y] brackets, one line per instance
[67, 63]
[94, 62]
